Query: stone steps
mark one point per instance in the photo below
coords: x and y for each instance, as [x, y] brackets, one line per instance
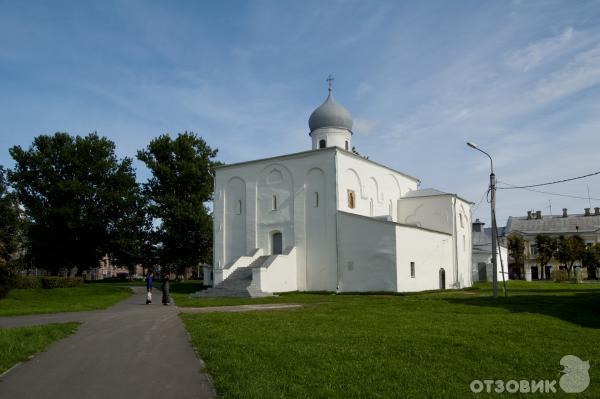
[238, 284]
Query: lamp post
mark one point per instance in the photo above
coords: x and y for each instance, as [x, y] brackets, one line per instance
[493, 214]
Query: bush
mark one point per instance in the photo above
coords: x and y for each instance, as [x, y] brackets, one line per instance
[47, 282]
[60, 282]
[560, 275]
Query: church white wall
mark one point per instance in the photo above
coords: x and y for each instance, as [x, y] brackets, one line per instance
[430, 251]
[287, 178]
[279, 275]
[463, 243]
[377, 189]
[367, 260]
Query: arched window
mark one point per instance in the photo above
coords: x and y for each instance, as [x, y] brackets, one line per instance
[351, 199]
[274, 203]
[346, 145]
[322, 143]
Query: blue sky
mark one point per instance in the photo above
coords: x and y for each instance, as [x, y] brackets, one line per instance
[521, 79]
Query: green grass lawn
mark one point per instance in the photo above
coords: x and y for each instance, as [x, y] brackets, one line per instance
[388, 346]
[19, 344]
[87, 297]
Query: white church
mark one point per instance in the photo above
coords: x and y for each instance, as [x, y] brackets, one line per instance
[328, 219]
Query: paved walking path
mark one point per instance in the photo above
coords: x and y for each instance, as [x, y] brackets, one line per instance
[130, 350]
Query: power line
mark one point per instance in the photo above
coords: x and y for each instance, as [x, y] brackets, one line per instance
[549, 193]
[546, 184]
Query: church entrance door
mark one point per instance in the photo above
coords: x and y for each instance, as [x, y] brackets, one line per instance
[277, 243]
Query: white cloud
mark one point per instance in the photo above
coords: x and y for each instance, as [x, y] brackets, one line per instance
[581, 73]
[541, 51]
[364, 126]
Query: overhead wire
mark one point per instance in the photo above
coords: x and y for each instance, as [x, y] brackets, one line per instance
[549, 183]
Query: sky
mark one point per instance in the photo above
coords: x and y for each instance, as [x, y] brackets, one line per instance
[521, 79]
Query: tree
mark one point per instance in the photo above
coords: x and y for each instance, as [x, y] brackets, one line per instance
[10, 228]
[178, 191]
[78, 198]
[546, 247]
[591, 260]
[516, 251]
[570, 249]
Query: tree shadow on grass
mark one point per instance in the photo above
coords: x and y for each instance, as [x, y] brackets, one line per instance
[582, 309]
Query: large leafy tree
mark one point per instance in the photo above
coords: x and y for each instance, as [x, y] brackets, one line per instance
[80, 201]
[516, 251]
[546, 247]
[10, 225]
[591, 259]
[569, 250]
[179, 190]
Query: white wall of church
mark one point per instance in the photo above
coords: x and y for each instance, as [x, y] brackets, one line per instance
[434, 212]
[377, 189]
[293, 180]
[367, 249]
[430, 251]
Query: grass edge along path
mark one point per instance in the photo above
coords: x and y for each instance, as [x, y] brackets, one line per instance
[19, 344]
[58, 300]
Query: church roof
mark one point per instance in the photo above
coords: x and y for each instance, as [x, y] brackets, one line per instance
[330, 114]
[430, 192]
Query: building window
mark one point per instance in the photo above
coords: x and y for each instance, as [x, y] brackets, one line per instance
[239, 207]
[371, 207]
[346, 145]
[274, 203]
[412, 269]
[351, 199]
[533, 249]
[322, 143]
[462, 223]
[316, 200]
[391, 209]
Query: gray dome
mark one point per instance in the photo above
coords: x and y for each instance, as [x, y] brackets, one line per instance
[330, 114]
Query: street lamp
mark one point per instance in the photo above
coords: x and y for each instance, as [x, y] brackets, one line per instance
[493, 214]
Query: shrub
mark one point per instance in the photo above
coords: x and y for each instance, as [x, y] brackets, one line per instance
[47, 282]
[560, 275]
[60, 282]
[27, 282]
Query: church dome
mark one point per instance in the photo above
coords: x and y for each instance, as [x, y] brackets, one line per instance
[330, 114]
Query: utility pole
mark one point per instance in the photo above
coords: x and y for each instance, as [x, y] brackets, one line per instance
[493, 215]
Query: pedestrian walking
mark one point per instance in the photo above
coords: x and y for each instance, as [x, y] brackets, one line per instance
[165, 289]
[149, 281]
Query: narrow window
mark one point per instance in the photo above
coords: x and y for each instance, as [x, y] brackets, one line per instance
[371, 207]
[239, 207]
[462, 224]
[346, 145]
[316, 200]
[322, 143]
[274, 203]
[391, 208]
[412, 269]
[351, 199]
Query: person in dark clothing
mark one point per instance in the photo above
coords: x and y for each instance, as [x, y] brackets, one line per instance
[149, 281]
[165, 289]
